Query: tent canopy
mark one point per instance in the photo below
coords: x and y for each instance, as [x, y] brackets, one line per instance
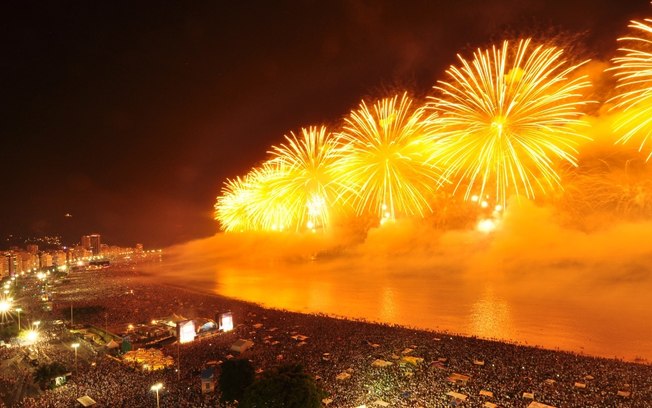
[86, 401]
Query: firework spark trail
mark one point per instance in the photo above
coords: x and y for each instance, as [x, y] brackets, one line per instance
[306, 180]
[634, 75]
[231, 206]
[383, 159]
[503, 118]
[252, 204]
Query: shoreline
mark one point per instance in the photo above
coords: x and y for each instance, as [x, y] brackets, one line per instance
[443, 332]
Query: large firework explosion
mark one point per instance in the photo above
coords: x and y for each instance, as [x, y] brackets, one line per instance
[306, 180]
[502, 124]
[291, 191]
[503, 118]
[634, 73]
[383, 159]
[252, 203]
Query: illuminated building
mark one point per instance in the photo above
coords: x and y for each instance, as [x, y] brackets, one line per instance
[96, 245]
[86, 242]
[59, 258]
[4, 268]
[46, 260]
[11, 263]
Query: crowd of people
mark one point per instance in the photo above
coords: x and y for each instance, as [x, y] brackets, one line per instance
[338, 353]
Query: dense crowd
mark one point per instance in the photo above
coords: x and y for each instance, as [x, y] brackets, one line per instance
[339, 353]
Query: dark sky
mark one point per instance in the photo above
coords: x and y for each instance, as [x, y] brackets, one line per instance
[129, 115]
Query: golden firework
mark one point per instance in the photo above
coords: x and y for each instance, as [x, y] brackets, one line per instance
[231, 206]
[634, 73]
[306, 177]
[383, 165]
[252, 204]
[501, 120]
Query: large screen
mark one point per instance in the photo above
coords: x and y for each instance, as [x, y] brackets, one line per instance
[186, 331]
[226, 321]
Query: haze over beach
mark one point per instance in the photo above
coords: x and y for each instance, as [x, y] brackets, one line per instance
[531, 281]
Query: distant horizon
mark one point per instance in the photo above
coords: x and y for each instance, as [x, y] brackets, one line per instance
[15, 240]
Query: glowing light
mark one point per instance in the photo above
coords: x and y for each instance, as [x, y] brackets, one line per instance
[5, 306]
[186, 331]
[156, 387]
[634, 73]
[32, 336]
[383, 162]
[500, 120]
[487, 225]
[226, 321]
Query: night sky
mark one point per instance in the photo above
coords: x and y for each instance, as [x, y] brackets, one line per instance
[130, 115]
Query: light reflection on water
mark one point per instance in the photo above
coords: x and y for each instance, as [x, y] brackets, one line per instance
[615, 326]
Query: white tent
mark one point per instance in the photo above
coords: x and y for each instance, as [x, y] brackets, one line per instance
[242, 345]
[535, 404]
[86, 401]
[458, 378]
[456, 395]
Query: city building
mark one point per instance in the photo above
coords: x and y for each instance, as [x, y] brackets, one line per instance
[96, 245]
[86, 242]
[46, 260]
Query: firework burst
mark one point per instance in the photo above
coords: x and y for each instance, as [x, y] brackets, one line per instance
[231, 206]
[634, 73]
[251, 203]
[383, 165]
[292, 190]
[501, 119]
[306, 179]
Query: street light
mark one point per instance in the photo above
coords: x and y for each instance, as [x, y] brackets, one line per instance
[32, 336]
[5, 305]
[156, 387]
[18, 310]
[75, 346]
[37, 323]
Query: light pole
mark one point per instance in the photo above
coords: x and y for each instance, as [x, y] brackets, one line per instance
[75, 346]
[18, 310]
[156, 387]
[37, 324]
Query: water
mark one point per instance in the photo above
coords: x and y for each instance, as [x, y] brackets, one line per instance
[592, 323]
